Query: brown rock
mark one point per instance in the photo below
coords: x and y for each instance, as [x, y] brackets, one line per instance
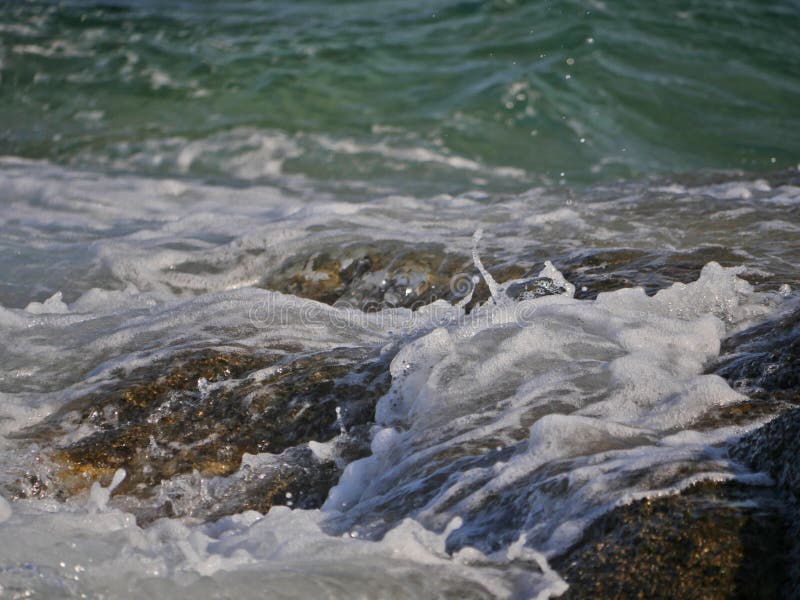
[715, 540]
[201, 412]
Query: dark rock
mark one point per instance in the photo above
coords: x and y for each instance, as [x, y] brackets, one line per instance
[775, 449]
[764, 361]
[712, 541]
[603, 270]
[608, 269]
[294, 478]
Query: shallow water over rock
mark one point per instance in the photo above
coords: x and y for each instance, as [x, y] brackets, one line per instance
[179, 425]
[370, 379]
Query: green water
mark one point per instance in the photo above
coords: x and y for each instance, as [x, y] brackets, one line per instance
[443, 95]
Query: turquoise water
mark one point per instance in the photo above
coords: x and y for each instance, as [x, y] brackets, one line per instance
[438, 96]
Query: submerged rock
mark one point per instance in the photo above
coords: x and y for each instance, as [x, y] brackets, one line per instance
[596, 270]
[393, 274]
[372, 276]
[711, 541]
[198, 415]
[382, 274]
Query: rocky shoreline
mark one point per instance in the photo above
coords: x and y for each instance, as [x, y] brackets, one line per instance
[187, 429]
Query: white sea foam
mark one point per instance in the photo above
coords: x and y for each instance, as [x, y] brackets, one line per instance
[414, 154]
[598, 384]
[286, 552]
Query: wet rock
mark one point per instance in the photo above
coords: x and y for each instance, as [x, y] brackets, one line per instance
[199, 414]
[391, 274]
[373, 276]
[739, 414]
[603, 270]
[596, 270]
[533, 287]
[295, 478]
[382, 274]
[712, 541]
[764, 361]
[775, 448]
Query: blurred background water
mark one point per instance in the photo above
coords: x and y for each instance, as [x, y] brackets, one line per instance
[414, 96]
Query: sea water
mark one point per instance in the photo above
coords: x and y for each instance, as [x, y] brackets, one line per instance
[162, 163]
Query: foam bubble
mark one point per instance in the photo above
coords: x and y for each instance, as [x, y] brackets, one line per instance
[53, 305]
